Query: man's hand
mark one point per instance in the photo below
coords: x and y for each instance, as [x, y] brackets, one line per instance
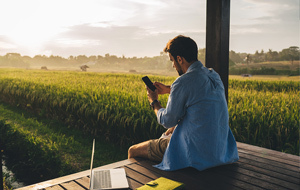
[152, 95]
[169, 131]
[161, 88]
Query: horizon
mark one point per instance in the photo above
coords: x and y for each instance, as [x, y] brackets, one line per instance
[265, 51]
[121, 28]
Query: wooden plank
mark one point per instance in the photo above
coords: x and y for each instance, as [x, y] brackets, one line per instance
[145, 171]
[254, 170]
[143, 179]
[154, 175]
[269, 151]
[84, 181]
[254, 182]
[55, 187]
[170, 175]
[72, 185]
[131, 178]
[78, 175]
[293, 171]
[270, 157]
[193, 178]
[224, 181]
[133, 184]
[246, 165]
[270, 168]
[246, 176]
[191, 184]
[263, 177]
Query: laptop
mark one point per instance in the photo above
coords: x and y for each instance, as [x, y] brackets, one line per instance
[107, 178]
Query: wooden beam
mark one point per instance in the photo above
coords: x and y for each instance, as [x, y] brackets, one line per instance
[217, 38]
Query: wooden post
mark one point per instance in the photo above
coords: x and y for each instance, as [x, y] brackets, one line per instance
[217, 38]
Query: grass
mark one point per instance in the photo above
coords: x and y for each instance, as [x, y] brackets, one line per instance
[57, 150]
[266, 78]
[266, 119]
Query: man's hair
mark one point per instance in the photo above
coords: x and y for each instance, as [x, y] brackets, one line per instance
[182, 46]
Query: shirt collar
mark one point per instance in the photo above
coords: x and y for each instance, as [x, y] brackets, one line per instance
[194, 65]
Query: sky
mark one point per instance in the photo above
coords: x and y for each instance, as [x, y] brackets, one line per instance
[137, 27]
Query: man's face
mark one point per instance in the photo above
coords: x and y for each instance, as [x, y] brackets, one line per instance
[176, 65]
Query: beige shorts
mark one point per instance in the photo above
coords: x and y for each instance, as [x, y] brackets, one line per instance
[157, 148]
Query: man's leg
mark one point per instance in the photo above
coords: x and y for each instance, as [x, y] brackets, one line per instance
[153, 149]
[139, 150]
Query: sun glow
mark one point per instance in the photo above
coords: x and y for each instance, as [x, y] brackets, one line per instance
[32, 24]
[28, 26]
[32, 34]
[68, 27]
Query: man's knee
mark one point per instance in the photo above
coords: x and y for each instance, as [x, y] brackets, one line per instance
[131, 151]
[138, 150]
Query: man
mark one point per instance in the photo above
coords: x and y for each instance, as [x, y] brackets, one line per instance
[197, 108]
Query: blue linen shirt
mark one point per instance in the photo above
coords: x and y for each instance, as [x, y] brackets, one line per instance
[202, 138]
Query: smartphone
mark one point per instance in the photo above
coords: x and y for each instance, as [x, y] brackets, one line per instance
[148, 82]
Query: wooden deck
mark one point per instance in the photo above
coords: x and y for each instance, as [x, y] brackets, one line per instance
[258, 168]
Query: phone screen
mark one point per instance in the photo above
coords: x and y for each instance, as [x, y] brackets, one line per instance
[148, 82]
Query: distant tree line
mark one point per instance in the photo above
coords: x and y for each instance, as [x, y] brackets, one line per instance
[289, 54]
[16, 60]
[159, 62]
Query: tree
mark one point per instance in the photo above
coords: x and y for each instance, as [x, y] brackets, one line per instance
[284, 54]
[269, 55]
[294, 53]
[82, 59]
[14, 60]
[13, 55]
[248, 58]
[258, 56]
[92, 58]
[235, 57]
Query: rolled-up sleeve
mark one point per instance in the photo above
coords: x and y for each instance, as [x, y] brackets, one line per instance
[175, 109]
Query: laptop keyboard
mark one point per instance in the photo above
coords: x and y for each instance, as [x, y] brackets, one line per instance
[102, 179]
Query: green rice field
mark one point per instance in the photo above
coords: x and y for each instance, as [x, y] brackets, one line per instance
[115, 106]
